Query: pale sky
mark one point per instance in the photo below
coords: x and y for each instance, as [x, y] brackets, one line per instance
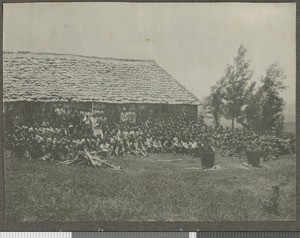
[192, 41]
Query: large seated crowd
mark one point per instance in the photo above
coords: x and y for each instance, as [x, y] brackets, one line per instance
[63, 135]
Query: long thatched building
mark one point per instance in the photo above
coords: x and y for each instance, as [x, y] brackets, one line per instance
[35, 83]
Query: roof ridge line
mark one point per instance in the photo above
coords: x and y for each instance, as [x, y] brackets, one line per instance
[83, 56]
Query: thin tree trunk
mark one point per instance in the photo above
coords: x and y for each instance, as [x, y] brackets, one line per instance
[232, 123]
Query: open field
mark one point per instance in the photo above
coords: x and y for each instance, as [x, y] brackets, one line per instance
[146, 189]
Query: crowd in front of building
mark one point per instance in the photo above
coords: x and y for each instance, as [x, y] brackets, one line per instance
[67, 132]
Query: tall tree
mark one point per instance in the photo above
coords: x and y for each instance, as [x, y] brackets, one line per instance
[272, 104]
[250, 117]
[214, 104]
[235, 86]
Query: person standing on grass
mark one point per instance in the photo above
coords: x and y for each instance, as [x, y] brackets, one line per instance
[98, 131]
[102, 122]
[76, 120]
[57, 115]
[132, 117]
[124, 116]
[87, 124]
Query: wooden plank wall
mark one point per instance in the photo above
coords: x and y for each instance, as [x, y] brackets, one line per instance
[24, 112]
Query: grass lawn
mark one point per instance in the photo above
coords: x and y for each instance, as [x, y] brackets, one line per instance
[148, 190]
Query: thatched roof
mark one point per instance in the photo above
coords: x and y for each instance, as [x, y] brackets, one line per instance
[45, 77]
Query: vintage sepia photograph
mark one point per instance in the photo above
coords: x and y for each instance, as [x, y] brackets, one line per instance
[102, 235]
[149, 112]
